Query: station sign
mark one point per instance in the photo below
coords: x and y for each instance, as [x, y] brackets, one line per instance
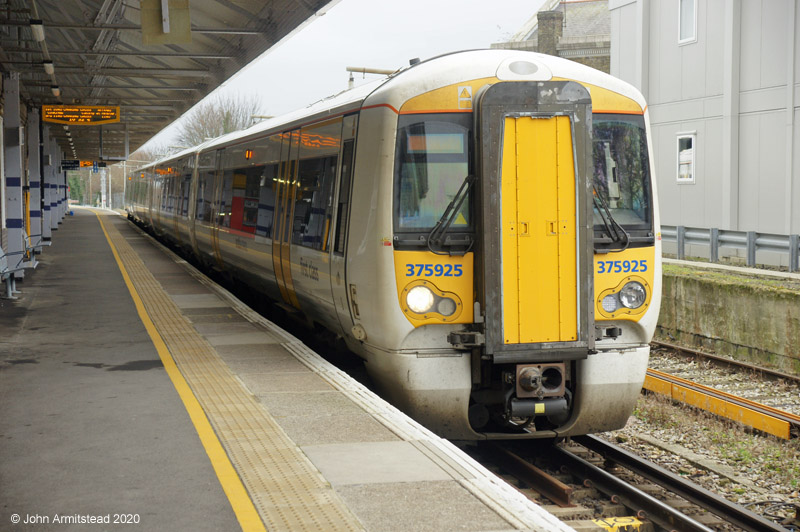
[80, 115]
[90, 164]
[76, 164]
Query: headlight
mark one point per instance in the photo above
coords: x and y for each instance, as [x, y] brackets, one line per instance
[446, 306]
[610, 303]
[419, 299]
[632, 295]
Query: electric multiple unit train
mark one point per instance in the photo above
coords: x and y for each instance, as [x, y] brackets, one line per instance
[481, 228]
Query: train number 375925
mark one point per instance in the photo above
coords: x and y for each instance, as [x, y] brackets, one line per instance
[434, 270]
[621, 266]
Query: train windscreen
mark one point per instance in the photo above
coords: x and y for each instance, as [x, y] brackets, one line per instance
[431, 165]
[622, 192]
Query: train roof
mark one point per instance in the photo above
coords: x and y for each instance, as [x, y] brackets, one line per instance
[455, 67]
[428, 75]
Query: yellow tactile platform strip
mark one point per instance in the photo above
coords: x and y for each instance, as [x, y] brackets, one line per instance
[286, 488]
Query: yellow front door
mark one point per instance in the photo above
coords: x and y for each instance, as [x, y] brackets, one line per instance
[539, 246]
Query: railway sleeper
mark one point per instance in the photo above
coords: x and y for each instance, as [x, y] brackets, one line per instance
[581, 493]
[570, 514]
[710, 520]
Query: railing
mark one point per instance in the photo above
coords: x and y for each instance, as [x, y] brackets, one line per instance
[750, 241]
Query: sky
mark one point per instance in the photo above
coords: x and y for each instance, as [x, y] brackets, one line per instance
[310, 64]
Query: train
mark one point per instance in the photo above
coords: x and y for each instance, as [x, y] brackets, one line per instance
[481, 228]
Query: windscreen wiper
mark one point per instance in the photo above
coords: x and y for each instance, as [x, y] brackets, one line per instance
[612, 227]
[438, 236]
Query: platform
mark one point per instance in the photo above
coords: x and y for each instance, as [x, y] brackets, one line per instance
[134, 388]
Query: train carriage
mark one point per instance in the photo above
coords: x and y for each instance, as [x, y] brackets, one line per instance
[481, 228]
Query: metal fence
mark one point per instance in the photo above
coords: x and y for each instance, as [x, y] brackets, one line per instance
[750, 241]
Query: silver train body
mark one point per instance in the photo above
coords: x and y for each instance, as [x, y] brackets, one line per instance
[481, 228]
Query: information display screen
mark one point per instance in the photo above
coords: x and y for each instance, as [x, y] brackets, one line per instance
[87, 115]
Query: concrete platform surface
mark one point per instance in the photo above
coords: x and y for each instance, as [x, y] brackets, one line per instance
[134, 386]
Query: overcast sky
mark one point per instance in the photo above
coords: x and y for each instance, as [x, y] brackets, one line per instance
[310, 64]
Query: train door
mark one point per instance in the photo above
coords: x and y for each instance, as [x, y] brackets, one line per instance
[284, 215]
[218, 210]
[175, 182]
[157, 200]
[538, 237]
[338, 249]
[537, 279]
[202, 195]
[149, 195]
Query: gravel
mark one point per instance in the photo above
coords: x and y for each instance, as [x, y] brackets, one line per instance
[752, 469]
[779, 394]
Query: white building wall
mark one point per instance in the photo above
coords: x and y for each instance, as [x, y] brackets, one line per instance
[623, 51]
[736, 88]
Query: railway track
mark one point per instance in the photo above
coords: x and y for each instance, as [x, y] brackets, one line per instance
[598, 486]
[728, 362]
[757, 397]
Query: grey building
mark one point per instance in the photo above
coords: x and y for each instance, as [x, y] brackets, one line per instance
[720, 78]
[579, 30]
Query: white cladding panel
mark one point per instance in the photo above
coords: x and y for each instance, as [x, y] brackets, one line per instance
[774, 42]
[688, 92]
[795, 194]
[750, 47]
[712, 172]
[796, 25]
[665, 53]
[693, 60]
[713, 34]
[623, 50]
[762, 172]
[763, 44]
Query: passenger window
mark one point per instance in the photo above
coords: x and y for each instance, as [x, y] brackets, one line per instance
[319, 153]
[344, 195]
[241, 198]
[266, 200]
[248, 194]
[224, 208]
[185, 186]
[205, 182]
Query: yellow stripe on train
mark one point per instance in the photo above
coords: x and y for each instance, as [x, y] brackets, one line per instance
[612, 271]
[434, 288]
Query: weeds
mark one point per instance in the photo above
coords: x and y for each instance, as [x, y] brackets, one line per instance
[777, 461]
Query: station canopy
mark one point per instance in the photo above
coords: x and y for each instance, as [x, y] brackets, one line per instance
[152, 64]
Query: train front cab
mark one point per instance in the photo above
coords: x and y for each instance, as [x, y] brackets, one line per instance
[534, 275]
[556, 348]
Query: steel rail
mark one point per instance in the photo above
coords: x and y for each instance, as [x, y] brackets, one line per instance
[645, 505]
[731, 512]
[758, 407]
[729, 362]
[759, 416]
[547, 485]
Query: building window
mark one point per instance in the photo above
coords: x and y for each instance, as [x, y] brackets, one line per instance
[686, 166]
[687, 21]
